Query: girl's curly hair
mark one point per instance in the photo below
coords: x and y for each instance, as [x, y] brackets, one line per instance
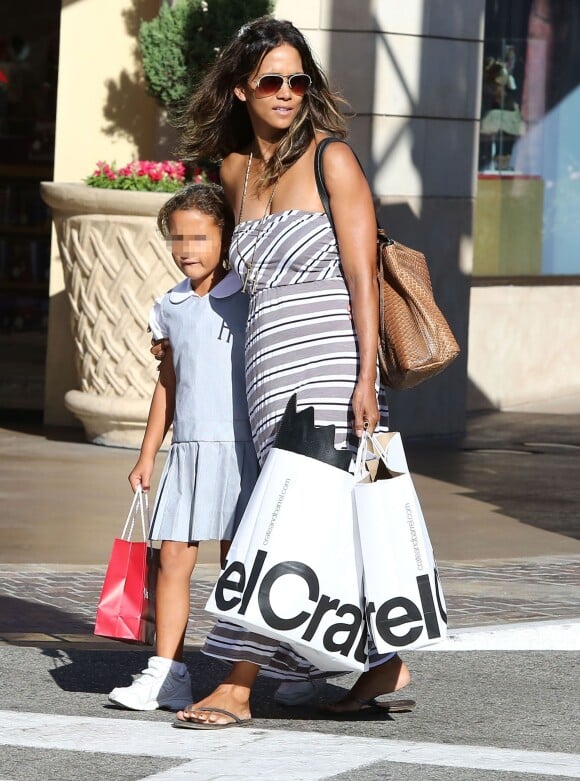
[208, 199]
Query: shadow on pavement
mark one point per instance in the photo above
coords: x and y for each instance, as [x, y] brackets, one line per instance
[20, 615]
[31, 422]
[75, 669]
[524, 464]
[98, 672]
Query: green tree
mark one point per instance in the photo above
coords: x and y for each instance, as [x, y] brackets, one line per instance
[183, 40]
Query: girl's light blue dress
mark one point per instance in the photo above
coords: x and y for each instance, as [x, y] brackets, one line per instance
[211, 466]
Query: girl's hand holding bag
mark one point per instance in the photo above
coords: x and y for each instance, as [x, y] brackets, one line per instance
[126, 608]
[405, 605]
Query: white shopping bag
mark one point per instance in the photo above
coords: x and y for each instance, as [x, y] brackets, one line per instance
[405, 604]
[294, 570]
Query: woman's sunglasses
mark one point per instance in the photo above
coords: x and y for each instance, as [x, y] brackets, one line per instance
[271, 83]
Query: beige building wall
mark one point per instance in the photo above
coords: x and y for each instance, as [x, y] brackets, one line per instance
[523, 346]
[103, 113]
[412, 72]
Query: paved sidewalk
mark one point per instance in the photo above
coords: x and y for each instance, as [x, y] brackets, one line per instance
[502, 511]
[50, 605]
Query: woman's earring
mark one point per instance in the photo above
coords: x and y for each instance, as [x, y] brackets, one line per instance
[226, 263]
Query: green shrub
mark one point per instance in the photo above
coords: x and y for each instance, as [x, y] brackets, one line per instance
[182, 40]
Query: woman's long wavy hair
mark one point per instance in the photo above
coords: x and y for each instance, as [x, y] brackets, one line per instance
[215, 123]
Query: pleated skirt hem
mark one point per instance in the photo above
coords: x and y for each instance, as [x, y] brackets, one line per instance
[203, 491]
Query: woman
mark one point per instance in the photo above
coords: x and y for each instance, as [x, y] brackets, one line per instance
[313, 320]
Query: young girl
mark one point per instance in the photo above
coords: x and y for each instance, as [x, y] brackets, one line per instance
[211, 466]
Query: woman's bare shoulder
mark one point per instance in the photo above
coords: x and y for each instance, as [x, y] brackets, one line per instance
[320, 135]
[336, 155]
[339, 159]
[232, 166]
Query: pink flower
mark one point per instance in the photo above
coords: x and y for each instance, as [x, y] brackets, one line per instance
[145, 167]
[162, 175]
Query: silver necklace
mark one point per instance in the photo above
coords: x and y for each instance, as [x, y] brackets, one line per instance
[249, 277]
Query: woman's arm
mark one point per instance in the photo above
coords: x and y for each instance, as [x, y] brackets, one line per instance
[354, 218]
[161, 414]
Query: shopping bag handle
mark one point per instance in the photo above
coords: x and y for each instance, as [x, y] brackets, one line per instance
[361, 456]
[377, 447]
[379, 453]
[360, 468]
[140, 501]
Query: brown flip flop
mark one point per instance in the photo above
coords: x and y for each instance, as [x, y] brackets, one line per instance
[191, 724]
[370, 706]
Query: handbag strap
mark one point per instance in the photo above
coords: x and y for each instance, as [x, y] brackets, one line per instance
[319, 176]
[140, 503]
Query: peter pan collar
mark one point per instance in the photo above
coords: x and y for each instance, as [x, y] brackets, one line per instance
[229, 285]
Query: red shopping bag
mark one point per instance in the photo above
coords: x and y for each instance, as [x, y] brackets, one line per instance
[126, 607]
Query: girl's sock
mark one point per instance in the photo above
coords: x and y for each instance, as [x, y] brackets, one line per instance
[161, 662]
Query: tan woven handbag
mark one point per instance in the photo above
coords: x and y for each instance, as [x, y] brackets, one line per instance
[415, 341]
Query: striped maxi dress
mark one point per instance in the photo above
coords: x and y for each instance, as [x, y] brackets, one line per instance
[300, 339]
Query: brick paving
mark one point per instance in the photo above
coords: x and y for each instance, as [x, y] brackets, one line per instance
[54, 604]
[542, 570]
[518, 590]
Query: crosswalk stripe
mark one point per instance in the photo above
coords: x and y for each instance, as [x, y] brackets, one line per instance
[245, 754]
[524, 636]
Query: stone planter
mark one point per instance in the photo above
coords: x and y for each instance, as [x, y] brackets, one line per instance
[115, 264]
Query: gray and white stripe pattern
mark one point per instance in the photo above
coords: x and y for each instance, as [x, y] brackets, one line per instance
[277, 660]
[286, 248]
[300, 339]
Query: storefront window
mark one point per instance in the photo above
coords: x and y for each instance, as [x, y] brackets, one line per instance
[527, 217]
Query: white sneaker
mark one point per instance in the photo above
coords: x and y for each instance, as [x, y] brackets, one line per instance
[299, 692]
[157, 687]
